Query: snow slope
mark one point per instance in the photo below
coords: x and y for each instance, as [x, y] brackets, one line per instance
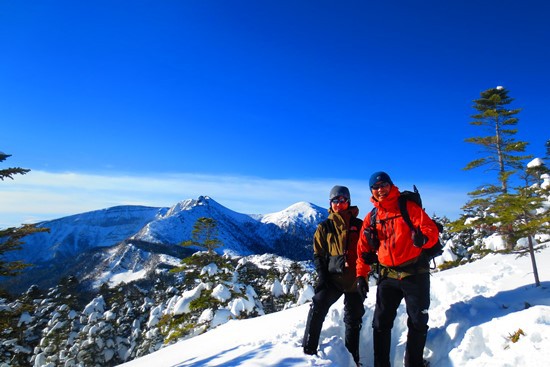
[475, 308]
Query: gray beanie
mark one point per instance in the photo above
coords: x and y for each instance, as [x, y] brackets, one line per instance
[339, 191]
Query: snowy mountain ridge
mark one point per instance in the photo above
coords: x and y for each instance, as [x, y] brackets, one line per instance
[100, 246]
[301, 212]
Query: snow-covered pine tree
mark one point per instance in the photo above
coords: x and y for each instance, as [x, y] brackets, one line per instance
[502, 153]
[11, 238]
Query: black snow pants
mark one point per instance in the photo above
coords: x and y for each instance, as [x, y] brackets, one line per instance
[353, 318]
[416, 291]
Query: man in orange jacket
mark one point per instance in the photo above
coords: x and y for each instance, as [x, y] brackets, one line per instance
[405, 272]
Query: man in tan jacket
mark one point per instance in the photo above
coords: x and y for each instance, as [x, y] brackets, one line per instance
[335, 256]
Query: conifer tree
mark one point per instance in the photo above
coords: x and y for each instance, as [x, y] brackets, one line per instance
[10, 238]
[204, 235]
[527, 209]
[501, 154]
[499, 146]
[537, 192]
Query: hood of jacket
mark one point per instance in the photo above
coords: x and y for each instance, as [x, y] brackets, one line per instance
[389, 204]
[346, 215]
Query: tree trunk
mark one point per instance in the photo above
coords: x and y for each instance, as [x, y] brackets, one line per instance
[500, 154]
[533, 262]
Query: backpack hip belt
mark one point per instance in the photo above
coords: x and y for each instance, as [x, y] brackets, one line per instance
[401, 273]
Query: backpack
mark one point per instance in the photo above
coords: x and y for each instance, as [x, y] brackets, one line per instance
[413, 196]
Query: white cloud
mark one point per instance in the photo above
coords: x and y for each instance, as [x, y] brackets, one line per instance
[41, 195]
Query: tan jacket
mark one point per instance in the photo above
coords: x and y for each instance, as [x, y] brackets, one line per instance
[338, 235]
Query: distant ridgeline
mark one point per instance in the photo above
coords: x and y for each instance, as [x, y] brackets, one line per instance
[98, 247]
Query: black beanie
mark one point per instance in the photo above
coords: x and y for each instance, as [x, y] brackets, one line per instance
[379, 177]
[339, 191]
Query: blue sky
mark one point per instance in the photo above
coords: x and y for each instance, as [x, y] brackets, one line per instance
[258, 104]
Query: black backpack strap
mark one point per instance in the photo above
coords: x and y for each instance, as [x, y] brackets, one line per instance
[373, 213]
[371, 233]
[402, 202]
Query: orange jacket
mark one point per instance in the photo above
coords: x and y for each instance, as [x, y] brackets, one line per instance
[396, 244]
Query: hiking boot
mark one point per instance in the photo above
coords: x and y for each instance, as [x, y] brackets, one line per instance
[352, 341]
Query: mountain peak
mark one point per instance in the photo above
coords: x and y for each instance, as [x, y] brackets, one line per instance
[189, 204]
[301, 212]
[161, 230]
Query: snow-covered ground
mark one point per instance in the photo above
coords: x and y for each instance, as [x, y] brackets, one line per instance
[475, 310]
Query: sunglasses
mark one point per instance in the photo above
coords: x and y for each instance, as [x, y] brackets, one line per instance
[339, 200]
[381, 185]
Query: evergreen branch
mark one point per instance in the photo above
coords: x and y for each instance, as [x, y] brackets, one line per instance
[9, 172]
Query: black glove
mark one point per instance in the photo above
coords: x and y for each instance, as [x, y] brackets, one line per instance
[418, 238]
[435, 250]
[362, 287]
[369, 258]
